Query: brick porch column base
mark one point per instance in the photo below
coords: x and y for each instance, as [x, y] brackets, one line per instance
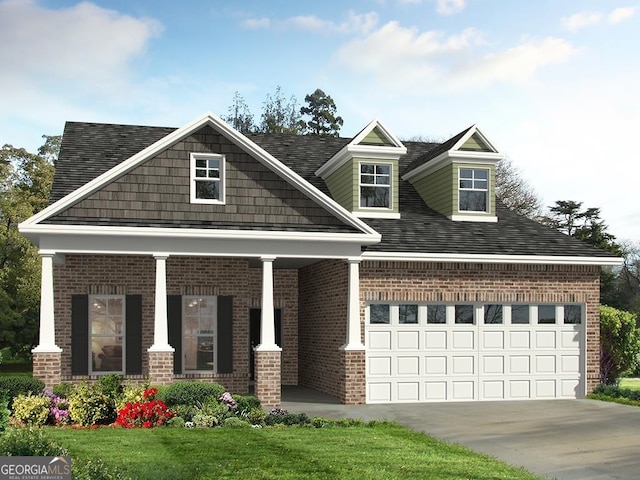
[48, 368]
[267, 375]
[354, 379]
[161, 368]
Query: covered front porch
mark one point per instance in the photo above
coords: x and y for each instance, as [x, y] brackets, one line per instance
[308, 319]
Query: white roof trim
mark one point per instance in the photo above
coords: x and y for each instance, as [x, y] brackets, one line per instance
[354, 149]
[454, 154]
[151, 232]
[476, 258]
[214, 121]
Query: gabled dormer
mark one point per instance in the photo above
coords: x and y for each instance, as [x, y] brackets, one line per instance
[363, 176]
[457, 178]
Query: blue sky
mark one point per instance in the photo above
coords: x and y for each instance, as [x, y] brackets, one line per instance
[555, 85]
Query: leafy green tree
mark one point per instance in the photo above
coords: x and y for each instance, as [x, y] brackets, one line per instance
[240, 117]
[280, 115]
[322, 110]
[619, 344]
[25, 183]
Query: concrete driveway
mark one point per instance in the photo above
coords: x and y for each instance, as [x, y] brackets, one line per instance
[562, 439]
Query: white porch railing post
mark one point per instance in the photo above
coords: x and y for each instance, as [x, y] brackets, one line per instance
[267, 321]
[47, 334]
[160, 327]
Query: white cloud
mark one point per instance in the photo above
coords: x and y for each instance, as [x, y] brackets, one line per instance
[354, 23]
[516, 65]
[449, 7]
[407, 59]
[621, 14]
[84, 43]
[582, 20]
[255, 23]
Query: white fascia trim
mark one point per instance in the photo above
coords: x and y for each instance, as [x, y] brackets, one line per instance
[365, 214]
[475, 258]
[474, 218]
[233, 135]
[469, 134]
[353, 149]
[448, 157]
[362, 151]
[154, 232]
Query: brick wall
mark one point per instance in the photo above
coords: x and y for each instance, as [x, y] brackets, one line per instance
[322, 325]
[47, 367]
[86, 274]
[490, 283]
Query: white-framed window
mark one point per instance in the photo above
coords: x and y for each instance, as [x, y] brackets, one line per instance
[473, 192]
[106, 333]
[207, 178]
[199, 333]
[375, 185]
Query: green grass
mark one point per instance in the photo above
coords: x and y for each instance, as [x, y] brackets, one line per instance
[384, 451]
[630, 383]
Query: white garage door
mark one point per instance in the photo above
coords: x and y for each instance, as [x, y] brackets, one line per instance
[435, 353]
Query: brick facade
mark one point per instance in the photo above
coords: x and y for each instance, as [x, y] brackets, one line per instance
[268, 378]
[160, 368]
[135, 275]
[48, 368]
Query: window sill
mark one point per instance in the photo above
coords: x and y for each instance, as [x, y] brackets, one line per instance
[471, 217]
[376, 214]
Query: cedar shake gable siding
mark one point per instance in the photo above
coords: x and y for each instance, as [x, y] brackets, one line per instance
[156, 193]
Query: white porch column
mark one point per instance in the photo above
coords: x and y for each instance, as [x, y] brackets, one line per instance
[267, 321]
[354, 341]
[160, 327]
[47, 338]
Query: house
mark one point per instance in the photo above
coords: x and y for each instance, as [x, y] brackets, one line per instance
[370, 269]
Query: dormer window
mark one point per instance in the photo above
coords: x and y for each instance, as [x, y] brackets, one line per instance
[474, 189]
[375, 185]
[207, 178]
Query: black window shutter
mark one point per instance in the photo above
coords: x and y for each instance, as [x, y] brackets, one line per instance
[225, 334]
[79, 334]
[174, 318]
[133, 329]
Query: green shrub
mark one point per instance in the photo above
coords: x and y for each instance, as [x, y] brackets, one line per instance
[176, 422]
[203, 420]
[619, 344]
[32, 410]
[190, 393]
[288, 419]
[5, 413]
[255, 416]
[89, 405]
[63, 390]
[246, 402]
[615, 391]
[95, 469]
[29, 442]
[235, 422]
[321, 422]
[111, 385]
[186, 411]
[20, 384]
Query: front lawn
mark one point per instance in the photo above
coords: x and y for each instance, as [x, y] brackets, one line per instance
[383, 451]
[630, 383]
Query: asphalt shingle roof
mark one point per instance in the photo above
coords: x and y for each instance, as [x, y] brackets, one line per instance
[90, 149]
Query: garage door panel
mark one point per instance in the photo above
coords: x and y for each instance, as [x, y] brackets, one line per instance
[545, 364]
[408, 391]
[569, 388]
[436, 340]
[570, 364]
[492, 364]
[463, 340]
[379, 392]
[463, 365]
[492, 390]
[380, 340]
[408, 365]
[520, 389]
[463, 389]
[493, 340]
[570, 339]
[520, 339]
[408, 340]
[545, 388]
[379, 366]
[520, 364]
[435, 365]
[545, 339]
[435, 391]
